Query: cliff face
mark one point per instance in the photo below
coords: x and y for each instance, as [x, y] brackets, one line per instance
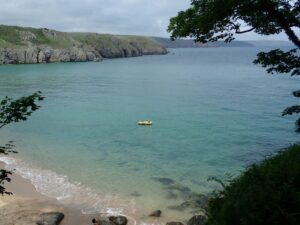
[46, 54]
[20, 45]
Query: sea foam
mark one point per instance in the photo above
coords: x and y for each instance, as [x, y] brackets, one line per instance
[75, 194]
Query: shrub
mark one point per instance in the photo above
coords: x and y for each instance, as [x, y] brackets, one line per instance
[265, 194]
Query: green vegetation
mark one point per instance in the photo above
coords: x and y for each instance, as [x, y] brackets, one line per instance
[18, 37]
[265, 194]
[13, 111]
[143, 42]
[11, 36]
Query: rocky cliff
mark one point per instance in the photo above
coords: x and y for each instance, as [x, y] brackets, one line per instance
[20, 45]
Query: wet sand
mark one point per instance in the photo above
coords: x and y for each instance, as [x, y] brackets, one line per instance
[26, 204]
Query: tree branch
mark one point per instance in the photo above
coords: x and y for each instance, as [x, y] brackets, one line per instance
[244, 31]
[292, 36]
[282, 21]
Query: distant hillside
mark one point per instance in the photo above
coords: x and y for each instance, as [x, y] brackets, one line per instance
[19, 45]
[184, 43]
[271, 43]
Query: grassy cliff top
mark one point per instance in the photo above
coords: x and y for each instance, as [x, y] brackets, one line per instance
[22, 37]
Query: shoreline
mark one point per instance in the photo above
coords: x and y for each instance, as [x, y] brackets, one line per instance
[83, 61]
[26, 204]
[42, 45]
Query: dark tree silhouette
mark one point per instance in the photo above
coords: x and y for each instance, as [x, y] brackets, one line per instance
[13, 111]
[213, 20]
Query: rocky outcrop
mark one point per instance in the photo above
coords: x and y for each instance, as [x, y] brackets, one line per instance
[30, 45]
[197, 220]
[44, 54]
[103, 222]
[118, 220]
[51, 218]
[156, 213]
[175, 223]
[111, 220]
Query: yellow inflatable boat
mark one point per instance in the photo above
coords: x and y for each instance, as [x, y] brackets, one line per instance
[145, 122]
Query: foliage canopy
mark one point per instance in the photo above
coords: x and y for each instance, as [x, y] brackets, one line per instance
[12, 111]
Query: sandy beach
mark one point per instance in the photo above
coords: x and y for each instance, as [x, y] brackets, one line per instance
[26, 204]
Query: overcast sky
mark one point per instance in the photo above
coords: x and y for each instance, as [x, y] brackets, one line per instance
[140, 17]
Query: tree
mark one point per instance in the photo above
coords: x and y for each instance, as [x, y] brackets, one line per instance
[13, 111]
[214, 20]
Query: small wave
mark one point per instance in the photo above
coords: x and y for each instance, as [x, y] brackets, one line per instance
[59, 187]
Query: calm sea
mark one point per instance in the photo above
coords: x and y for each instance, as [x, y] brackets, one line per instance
[213, 114]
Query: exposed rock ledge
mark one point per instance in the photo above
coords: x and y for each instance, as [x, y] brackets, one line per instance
[19, 45]
[46, 54]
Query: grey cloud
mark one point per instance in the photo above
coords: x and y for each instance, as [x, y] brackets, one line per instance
[142, 17]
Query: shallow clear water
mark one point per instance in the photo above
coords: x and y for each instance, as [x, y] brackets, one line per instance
[213, 112]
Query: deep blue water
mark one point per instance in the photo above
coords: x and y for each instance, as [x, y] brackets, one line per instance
[213, 113]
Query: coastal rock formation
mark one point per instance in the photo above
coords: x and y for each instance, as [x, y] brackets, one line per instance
[51, 218]
[175, 223]
[118, 220]
[45, 54]
[196, 201]
[156, 213]
[104, 222]
[19, 45]
[197, 220]
[164, 180]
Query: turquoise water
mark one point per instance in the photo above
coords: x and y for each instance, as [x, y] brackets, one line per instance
[213, 113]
